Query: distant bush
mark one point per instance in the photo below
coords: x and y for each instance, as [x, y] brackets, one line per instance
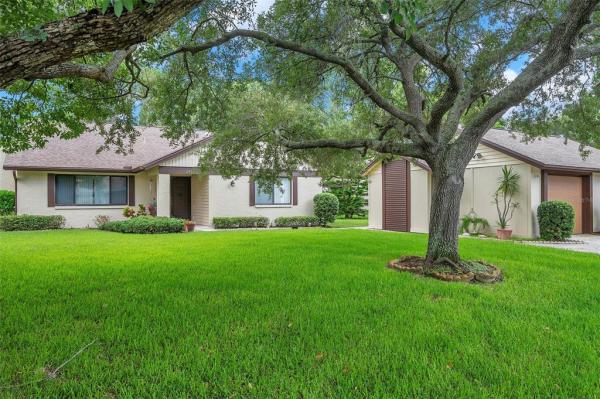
[31, 222]
[297, 221]
[145, 225]
[326, 207]
[556, 219]
[101, 220]
[7, 202]
[240, 222]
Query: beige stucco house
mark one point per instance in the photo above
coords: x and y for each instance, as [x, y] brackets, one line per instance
[68, 177]
[550, 169]
[7, 180]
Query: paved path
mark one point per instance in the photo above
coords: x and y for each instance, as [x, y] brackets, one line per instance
[591, 243]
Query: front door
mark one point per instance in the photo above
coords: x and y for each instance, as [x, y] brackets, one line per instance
[181, 198]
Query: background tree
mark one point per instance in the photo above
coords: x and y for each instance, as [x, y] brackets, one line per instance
[378, 78]
[351, 193]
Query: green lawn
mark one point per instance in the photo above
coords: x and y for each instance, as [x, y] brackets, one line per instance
[354, 222]
[306, 313]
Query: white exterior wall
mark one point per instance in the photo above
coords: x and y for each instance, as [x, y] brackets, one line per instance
[375, 187]
[32, 199]
[596, 199]
[227, 200]
[200, 199]
[480, 183]
[163, 195]
[7, 182]
[420, 199]
[478, 195]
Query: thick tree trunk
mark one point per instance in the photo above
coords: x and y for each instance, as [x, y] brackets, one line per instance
[445, 208]
[87, 33]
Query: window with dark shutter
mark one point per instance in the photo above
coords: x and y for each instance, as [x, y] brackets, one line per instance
[65, 190]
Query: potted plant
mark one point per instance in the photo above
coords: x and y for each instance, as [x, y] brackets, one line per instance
[472, 224]
[508, 187]
[188, 226]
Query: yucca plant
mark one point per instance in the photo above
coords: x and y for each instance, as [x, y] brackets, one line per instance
[508, 187]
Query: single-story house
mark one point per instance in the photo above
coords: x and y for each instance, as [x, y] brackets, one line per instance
[550, 169]
[7, 180]
[69, 178]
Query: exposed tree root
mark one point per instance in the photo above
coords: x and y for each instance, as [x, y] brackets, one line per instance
[448, 270]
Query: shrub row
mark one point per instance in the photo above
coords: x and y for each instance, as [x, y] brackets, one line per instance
[240, 222]
[7, 202]
[297, 221]
[145, 225]
[556, 219]
[31, 222]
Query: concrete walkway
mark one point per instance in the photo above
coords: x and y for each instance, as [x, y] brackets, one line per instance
[591, 243]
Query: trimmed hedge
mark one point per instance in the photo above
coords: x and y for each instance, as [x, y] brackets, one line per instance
[7, 202]
[145, 225]
[240, 222]
[556, 219]
[297, 221]
[31, 222]
[326, 207]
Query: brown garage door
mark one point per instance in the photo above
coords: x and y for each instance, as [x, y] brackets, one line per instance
[396, 195]
[568, 189]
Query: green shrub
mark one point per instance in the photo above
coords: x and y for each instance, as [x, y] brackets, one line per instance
[297, 221]
[326, 207]
[239, 222]
[7, 202]
[145, 225]
[556, 219]
[31, 222]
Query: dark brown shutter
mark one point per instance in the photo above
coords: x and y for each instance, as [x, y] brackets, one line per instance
[251, 190]
[588, 204]
[295, 190]
[131, 190]
[396, 195]
[51, 197]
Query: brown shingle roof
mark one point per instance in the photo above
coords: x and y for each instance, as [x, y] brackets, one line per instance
[80, 153]
[545, 152]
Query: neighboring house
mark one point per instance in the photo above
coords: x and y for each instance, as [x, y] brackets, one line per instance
[7, 180]
[400, 190]
[68, 177]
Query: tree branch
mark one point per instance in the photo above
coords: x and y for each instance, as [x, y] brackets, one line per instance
[346, 65]
[584, 52]
[87, 33]
[442, 62]
[557, 54]
[381, 146]
[70, 70]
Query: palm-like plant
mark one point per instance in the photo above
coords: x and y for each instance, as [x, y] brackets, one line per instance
[508, 187]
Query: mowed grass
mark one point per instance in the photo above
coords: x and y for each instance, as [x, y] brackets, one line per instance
[305, 313]
[353, 222]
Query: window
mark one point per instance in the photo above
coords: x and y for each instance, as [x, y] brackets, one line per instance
[91, 190]
[277, 194]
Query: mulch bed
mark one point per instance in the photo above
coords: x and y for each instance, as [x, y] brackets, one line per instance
[446, 270]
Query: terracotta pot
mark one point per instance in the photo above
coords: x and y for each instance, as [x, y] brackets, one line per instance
[189, 227]
[503, 234]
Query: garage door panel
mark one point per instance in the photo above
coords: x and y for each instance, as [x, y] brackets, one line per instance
[568, 189]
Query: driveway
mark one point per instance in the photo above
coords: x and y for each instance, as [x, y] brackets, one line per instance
[591, 243]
